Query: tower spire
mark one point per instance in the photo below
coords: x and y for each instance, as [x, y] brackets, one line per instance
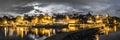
[107, 15]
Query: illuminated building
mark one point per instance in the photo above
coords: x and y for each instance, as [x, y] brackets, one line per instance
[21, 25]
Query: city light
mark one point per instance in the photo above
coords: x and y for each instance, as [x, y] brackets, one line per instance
[22, 24]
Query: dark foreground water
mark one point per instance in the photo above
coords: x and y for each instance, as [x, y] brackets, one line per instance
[87, 34]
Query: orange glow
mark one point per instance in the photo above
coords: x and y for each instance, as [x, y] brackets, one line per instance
[22, 26]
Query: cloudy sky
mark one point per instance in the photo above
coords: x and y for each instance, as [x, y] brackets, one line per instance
[18, 7]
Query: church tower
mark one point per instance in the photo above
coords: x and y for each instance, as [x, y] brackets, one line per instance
[107, 15]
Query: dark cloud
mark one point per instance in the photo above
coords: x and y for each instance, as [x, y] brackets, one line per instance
[9, 3]
[97, 6]
[22, 10]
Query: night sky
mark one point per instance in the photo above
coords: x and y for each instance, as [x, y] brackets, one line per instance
[18, 7]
